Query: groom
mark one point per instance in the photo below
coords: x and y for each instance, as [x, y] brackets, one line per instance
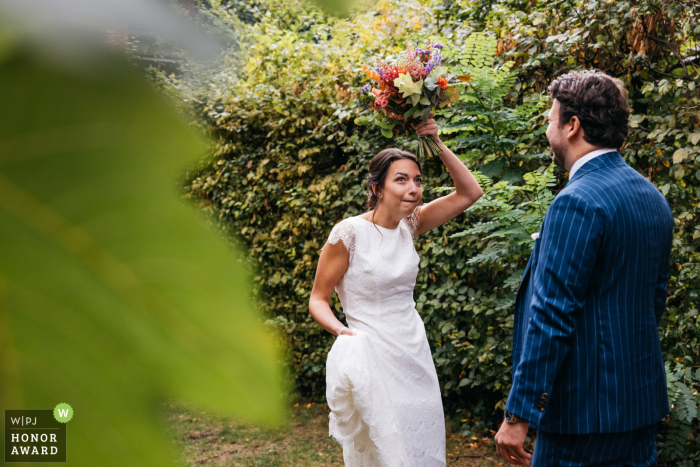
[588, 373]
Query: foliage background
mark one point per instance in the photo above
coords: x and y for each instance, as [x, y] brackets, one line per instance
[289, 161]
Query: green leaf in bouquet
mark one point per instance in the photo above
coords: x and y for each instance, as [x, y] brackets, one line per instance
[362, 120]
[414, 98]
[425, 114]
[424, 100]
[385, 124]
[430, 82]
[430, 93]
[387, 133]
[411, 112]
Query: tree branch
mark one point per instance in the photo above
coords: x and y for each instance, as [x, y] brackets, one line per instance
[667, 44]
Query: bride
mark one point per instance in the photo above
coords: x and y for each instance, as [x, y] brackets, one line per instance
[382, 387]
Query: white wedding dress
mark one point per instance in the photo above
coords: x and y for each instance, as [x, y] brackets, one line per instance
[381, 384]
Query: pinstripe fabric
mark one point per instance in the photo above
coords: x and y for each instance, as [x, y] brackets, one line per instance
[588, 307]
[636, 448]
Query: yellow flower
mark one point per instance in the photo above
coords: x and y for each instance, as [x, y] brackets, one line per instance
[406, 85]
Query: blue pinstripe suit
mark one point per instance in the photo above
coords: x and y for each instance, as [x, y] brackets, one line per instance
[588, 307]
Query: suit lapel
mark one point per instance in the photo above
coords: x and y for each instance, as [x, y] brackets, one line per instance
[528, 268]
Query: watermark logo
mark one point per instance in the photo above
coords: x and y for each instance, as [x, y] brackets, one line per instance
[63, 412]
[37, 435]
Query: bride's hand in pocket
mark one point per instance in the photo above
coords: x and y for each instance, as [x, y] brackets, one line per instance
[345, 332]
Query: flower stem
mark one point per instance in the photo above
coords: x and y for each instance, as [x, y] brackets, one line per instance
[427, 146]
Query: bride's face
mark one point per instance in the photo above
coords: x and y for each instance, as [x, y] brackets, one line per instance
[403, 188]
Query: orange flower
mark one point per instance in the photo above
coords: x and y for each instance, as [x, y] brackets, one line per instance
[442, 82]
[376, 91]
[364, 67]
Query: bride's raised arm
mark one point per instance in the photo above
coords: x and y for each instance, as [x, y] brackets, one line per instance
[467, 189]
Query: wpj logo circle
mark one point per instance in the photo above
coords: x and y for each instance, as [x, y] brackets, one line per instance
[63, 412]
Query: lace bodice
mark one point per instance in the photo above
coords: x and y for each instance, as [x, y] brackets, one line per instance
[345, 232]
[382, 387]
[383, 275]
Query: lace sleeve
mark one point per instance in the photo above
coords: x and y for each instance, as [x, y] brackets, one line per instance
[343, 231]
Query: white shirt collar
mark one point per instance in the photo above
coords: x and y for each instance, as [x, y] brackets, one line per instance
[586, 158]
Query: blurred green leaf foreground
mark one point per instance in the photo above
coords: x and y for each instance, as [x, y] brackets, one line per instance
[114, 294]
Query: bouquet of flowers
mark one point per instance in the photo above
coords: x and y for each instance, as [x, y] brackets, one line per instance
[406, 88]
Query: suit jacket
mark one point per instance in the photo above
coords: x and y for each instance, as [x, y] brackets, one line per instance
[586, 353]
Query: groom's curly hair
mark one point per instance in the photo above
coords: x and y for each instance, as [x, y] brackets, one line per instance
[600, 103]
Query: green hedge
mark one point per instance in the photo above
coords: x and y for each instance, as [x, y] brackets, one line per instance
[289, 162]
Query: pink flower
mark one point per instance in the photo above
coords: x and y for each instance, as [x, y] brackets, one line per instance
[381, 101]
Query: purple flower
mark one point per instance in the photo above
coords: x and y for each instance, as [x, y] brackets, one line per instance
[435, 61]
[436, 45]
[365, 89]
[420, 51]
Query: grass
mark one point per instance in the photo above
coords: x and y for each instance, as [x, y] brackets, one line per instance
[302, 442]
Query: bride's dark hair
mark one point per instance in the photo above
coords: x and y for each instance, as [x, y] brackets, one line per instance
[379, 169]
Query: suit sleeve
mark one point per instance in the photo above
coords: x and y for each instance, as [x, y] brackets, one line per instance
[661, 289]
[571, 236]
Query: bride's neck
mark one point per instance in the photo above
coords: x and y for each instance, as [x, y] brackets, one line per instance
[382, 218]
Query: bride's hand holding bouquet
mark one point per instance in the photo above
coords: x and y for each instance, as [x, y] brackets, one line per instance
[429, 129]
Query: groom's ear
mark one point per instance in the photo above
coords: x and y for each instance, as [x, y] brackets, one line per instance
[574, 128]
